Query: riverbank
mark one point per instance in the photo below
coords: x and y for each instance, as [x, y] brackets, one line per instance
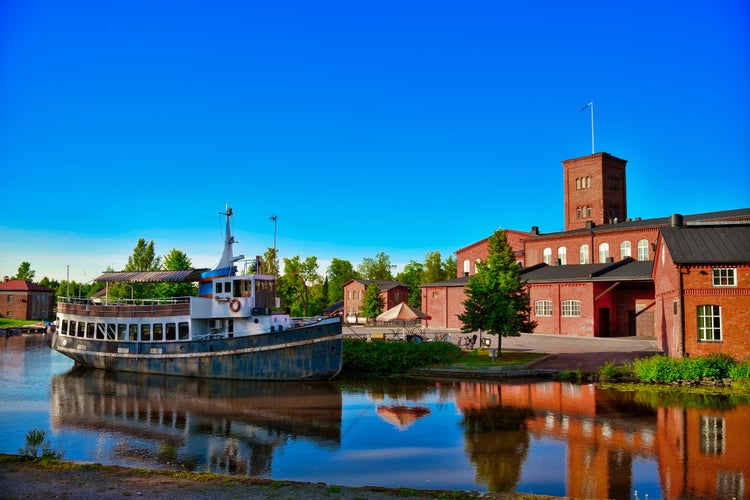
[30, 479]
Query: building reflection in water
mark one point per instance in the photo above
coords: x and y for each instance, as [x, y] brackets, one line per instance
[700, 452]
[195, 424]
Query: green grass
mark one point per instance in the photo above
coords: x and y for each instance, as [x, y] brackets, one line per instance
[11, 323]
[481, 357]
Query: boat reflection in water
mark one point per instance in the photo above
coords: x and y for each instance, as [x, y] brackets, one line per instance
[183, 423]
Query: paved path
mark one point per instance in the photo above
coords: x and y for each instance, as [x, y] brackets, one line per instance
[566, 352]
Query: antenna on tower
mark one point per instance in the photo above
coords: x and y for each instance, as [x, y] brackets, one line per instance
[591, 105]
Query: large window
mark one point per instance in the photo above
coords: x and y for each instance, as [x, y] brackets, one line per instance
[625, 249]
[543, 308]
[467, 267]
[713, 437]
[584, 254]
[547, 255]
[571, 307]
[603, 252]
[642, 249]
[562, 255]
[709, 323]
[724, 276]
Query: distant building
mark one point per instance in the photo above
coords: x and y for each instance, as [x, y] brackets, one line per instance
[595, 278]
[25, 300]
[392, 292]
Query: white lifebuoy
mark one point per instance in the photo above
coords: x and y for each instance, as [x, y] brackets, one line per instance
[234, 305]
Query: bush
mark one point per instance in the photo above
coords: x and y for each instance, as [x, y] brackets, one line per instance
[665, 369]
[36, 441]
[610, 370]
[386, 358]
[740, 371]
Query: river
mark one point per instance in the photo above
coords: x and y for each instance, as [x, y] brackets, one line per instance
[539, 437]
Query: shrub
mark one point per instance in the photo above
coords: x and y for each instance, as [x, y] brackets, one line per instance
[610, 369]
[36, 441]
[656, 369]
[715, 366]
[665, 369]
[740, 371]
[386, 358]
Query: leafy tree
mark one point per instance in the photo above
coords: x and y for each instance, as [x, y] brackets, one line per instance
[25, 272]
[339, 272]
[300, 276]
[372, 302]
[449, 268]
[270, 264]
[52, 284]
[378, 268]
[175, 260]
[144, 258]
[412, 276]
[497, 300]
[433, 268]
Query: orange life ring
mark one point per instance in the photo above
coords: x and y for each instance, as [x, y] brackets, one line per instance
[234, 305]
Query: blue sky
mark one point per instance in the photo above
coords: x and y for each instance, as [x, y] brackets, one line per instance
[367, 127]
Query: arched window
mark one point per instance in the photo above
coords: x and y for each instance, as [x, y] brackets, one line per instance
[624, 249]
[578, 212]
[588, 182]
[578, 183]
[547, 255]
[642, 249]
[584, 254]
[588, 211]
[562, 255]
[467, 267]
[603, 252]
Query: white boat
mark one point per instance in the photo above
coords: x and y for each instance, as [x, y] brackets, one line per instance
[233, 329]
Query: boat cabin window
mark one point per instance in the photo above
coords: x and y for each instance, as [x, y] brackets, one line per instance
[133, 332]
[90, 330]
[242, 288]
[171, 331]
[146, 333]
[218, 287]
[64, 327]
[111, 333]
[81, 331]
[100, 331]
[158, 332]
[122, 331]
[184, 330]
[228, 287]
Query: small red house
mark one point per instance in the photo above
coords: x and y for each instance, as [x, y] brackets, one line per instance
[702, 289]
[25, 300]
[393, 293]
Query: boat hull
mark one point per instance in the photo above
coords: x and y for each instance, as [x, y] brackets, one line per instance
[311, 352]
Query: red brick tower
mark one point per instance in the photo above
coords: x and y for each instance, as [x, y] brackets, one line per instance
[594, 190]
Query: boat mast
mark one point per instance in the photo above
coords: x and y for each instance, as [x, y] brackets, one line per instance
[227, 257]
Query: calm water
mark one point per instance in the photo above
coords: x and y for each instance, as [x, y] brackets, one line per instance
[541, 437]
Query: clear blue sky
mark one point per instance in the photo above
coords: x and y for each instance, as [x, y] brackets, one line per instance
[392, 126]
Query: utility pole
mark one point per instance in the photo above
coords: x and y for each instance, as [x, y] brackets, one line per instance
[274, 218]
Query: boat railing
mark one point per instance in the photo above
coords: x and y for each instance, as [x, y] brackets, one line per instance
[119, 307]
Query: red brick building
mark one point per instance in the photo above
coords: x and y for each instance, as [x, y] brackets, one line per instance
[702, 289]
[25, 300]
[392, 292]
[595, 277]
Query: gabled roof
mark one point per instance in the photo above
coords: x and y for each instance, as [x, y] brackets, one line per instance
[336, 306]
[384, 285]
[23, 286]
[719, 244]
[187, 275]
[448, 283]
[624, 270]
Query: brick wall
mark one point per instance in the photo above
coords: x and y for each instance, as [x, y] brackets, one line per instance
[596, 182]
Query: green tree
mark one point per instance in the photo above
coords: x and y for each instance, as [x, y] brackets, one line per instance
[339, 272]
[378, 268]
[270, 263]
[372, 302]
[449, 268]
[25, 272]
[301, 276]
[433, 268]
[49, 283]
[412, 276]
[497, 300]
[175, 260]
[144, 258]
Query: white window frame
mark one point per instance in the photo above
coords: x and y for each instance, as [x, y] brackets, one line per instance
[709, 323]
[543, 307]
[603, 252]
[724, 277]
[547, 255]
[625, 249]
[562, 255]
[570, 308]
[642, 250]
[583, 254]
[467, 267]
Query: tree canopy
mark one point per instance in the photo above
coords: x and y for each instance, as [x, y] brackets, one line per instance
[175, 260]
[497, 299]
[372, 302]
[25, 272]
[378, 268]
[339, 272]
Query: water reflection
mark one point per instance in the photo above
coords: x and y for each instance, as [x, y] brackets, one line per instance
[219, 426]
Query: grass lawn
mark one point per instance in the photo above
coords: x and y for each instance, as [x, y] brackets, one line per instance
[10, 323]
[481, 357]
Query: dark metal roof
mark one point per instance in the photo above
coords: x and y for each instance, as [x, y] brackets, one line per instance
[723, 215]
[454, 282]
[187, 275]
[624, 270]
[384, 285]
[724, 244]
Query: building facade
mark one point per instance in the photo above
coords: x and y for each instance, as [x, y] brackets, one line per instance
[392, 292]
[25, 300]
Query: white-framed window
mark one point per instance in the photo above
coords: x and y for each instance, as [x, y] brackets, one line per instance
[583, 253]
[603, 252]
[725, 276]
[642, 249]
[713, 437]
[467, 267]
[547, 255]
[578, 183]
[588, 211]
[624, 249]
[562, 255]
[571, 308]
[709, 322]
[543, 308]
